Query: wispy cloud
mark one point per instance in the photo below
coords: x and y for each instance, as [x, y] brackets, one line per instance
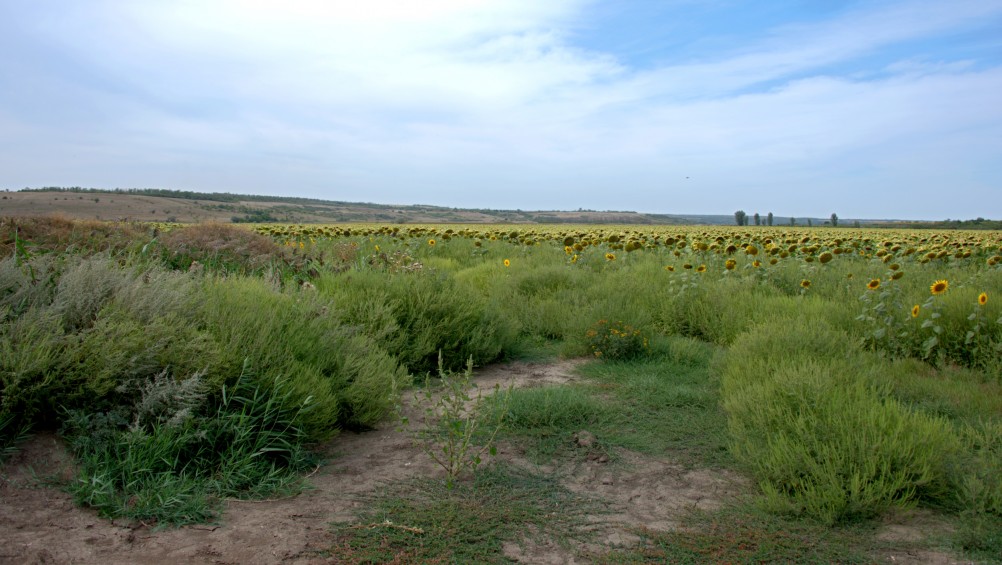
[420, 102]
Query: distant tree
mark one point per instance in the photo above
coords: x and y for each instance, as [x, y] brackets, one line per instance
[834, 220]
[855, 224]
[740, 217]
[758, 219]
[810, 224]
[793, 221]
[768, 219]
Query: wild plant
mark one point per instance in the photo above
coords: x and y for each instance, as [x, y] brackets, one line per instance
[454, 420]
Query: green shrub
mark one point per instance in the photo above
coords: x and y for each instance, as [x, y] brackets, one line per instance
[416, 315]
[350, 379]
[805, 417]
[616, 340]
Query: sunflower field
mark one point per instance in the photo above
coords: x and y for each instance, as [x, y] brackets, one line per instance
[859, 369]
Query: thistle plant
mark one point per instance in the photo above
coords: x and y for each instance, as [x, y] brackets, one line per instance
[455, 420]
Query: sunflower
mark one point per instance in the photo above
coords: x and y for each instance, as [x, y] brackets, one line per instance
[805, 283]
[701, 269]
[610, 257]
[756, 263]
[873, 285]
[670, 268]
[507, 263]
[983, 298]
[915, 311]
[939, 287]
[897, 275]
[825, 257]
[730, 264]
[751, 250]
[431, 242]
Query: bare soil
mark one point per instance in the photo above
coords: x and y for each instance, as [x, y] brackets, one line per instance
[41, 524]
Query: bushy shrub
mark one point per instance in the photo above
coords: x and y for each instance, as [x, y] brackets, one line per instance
[616, 340]
[350, 380]
[417, 315]
[807, 420]
[223, 247]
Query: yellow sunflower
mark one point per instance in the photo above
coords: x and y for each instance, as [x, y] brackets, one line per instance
[805, 283]
[610, 257]
[983, 298]
[915, 311]
[939, 287]
[507, 263]
[701, 269]
[873, 285]
[431, 242]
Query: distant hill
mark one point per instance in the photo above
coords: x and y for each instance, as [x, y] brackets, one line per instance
[184, 206]
[159, 205]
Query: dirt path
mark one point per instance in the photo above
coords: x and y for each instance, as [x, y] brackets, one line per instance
[42, 525]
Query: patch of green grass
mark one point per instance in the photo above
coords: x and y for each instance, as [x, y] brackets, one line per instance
[979, 537]
[744, 534]
[423, 521]
[667, 403]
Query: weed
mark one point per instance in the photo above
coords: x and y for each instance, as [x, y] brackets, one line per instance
[454, 419]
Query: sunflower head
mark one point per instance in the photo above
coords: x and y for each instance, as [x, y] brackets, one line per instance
[873, 285]
[915, 311]
[730, 264]
[701, 269]
[825, 257]
[507, 263]
[756, 263]
[897, 275]
[610, 257]
[431, 242]
[983, 299]
[805, 283]
[939, 287]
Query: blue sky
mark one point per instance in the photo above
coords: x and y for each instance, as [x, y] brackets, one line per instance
[878, 109]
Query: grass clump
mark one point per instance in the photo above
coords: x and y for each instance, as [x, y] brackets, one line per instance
[423, 521]
[172, 465]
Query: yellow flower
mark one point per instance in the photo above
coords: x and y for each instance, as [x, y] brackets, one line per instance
[670, 268]
[915, 311]
[610, 257]
[939, 287]
[701, 269]
[983, 298]
[431, 242]
[730, 264]
[873, 285]
[805, 283]
[377, 249]
[507, 263]
[756, 263]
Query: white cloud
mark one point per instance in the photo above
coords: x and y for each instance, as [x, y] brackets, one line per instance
[443, 95]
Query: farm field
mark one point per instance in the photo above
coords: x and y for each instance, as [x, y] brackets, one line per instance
[678, 394]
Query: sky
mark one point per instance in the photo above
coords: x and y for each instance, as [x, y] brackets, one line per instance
[868, 109]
